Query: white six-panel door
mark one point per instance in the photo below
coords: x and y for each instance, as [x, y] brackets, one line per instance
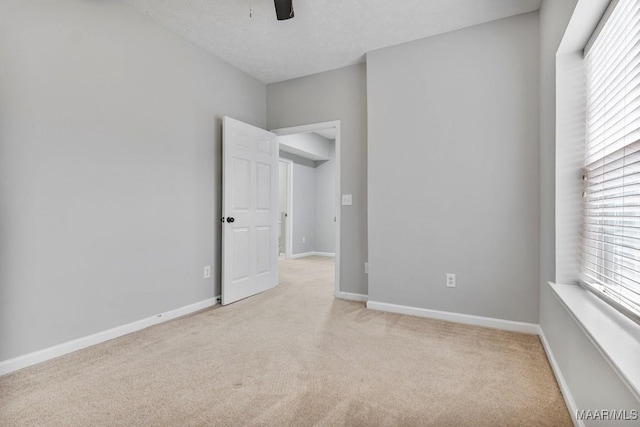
[250, 210]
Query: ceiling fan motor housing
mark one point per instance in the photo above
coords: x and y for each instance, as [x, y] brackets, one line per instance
[284, 9]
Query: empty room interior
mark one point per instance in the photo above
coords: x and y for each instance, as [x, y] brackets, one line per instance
[307, 186]
[268, 213]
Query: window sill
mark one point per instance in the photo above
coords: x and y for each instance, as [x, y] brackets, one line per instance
[614, 335]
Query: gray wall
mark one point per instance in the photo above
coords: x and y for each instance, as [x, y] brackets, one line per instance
[453, 171]
[304, 203]
[591, 380]
[109, 168]
[326, 204]
[335, 95]
[589, 377]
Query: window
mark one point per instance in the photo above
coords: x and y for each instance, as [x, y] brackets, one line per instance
[611, 212]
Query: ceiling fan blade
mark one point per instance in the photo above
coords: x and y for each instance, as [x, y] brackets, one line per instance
[284, 9]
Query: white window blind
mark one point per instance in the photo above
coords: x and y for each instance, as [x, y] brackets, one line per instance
[611, 231]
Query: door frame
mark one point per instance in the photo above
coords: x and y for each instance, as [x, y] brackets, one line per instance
[338, 196]
[289, 225]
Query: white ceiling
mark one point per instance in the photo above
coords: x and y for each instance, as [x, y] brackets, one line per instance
[324, 35]
[329, 133]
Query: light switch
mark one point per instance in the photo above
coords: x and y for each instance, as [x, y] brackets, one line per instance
[347, 199]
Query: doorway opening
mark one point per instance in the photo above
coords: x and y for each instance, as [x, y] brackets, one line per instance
[309, 186]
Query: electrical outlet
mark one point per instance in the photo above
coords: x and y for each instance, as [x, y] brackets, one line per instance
[451, 280]
[207, 271]
[304, 240]
[366, 267]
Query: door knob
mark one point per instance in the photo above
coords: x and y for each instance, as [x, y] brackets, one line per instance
[230, 219]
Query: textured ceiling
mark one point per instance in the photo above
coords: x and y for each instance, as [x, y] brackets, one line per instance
[324, 35]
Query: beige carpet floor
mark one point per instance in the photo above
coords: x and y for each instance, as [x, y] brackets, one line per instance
[293, 356]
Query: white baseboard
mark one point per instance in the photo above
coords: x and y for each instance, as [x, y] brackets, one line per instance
[351, 296]
[301, 255]
[488, 322]
[564, 388]
[306, 254]
[11, 365]
[327, 254]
